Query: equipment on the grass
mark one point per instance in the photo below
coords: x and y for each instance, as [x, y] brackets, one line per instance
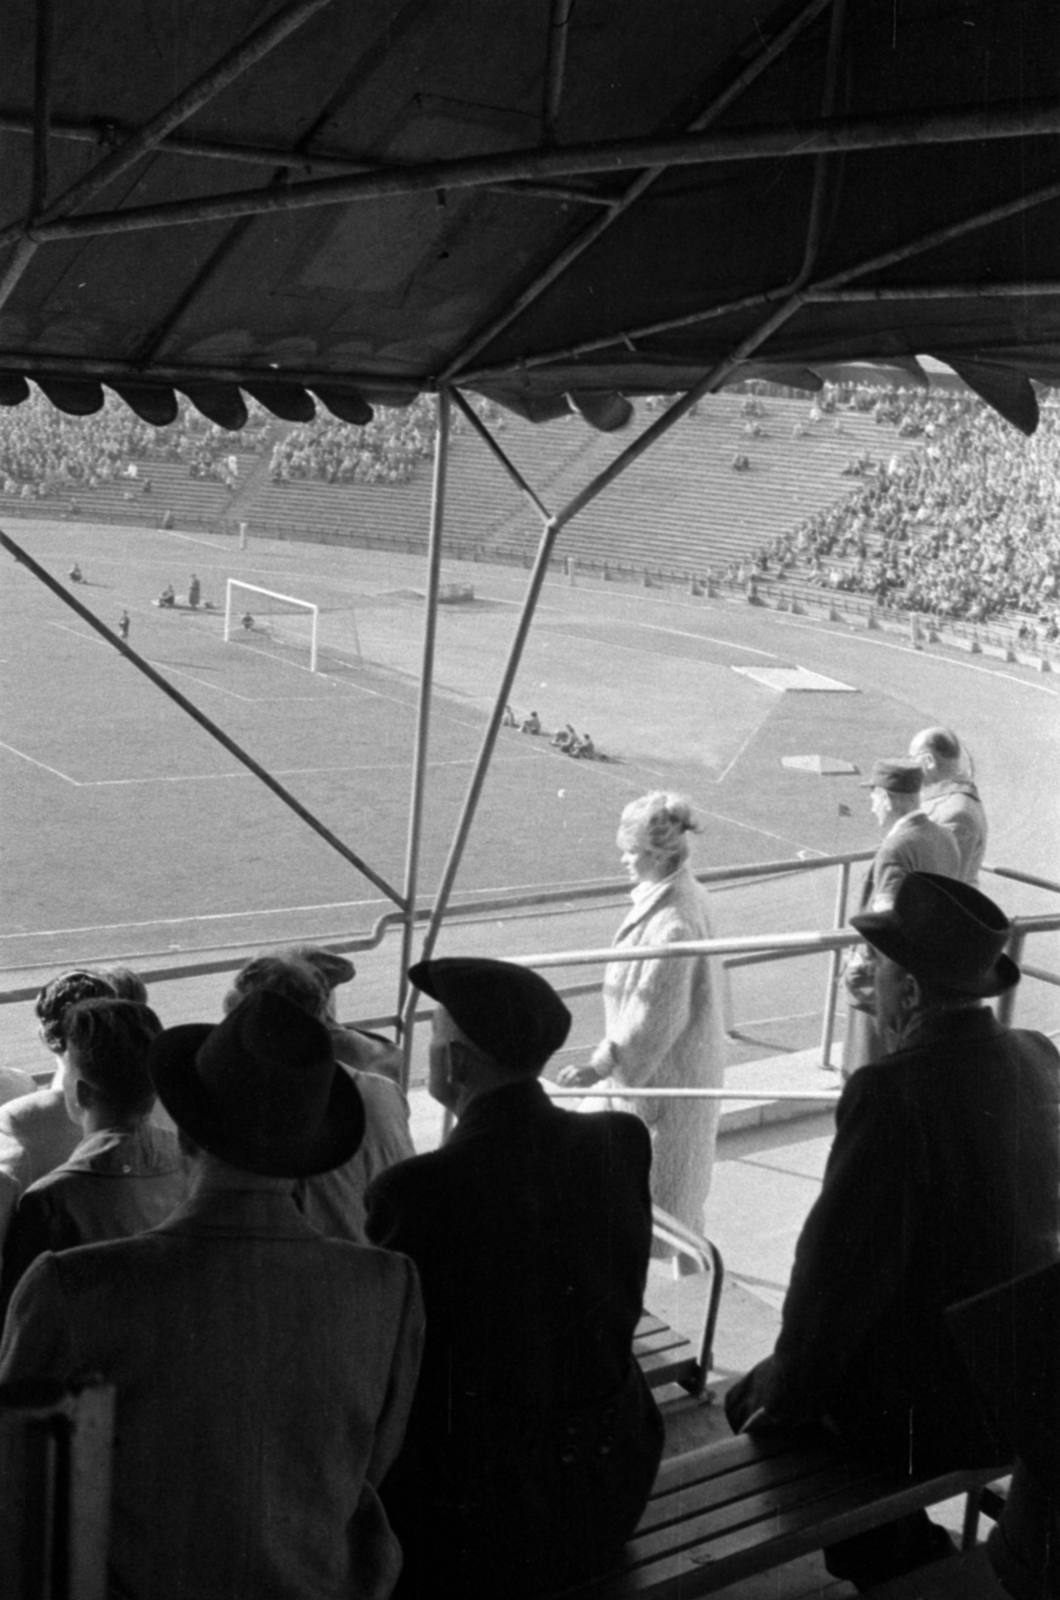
[281, 617]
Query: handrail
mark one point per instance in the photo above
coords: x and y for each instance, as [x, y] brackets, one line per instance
[347, 943]
[734, 951]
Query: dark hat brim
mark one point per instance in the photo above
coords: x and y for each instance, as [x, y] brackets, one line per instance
[193, 1109]
[878, 929]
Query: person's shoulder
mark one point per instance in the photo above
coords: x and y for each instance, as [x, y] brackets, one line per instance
[379, 1093]
[413, 1176]
[29, 1109]
[15, 1085]
[608, 1131]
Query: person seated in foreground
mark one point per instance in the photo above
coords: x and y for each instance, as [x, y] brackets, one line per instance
[125, 1176]
[942, 1181]
[168, 597]
[534, 1439]
[333, 1201]
[530, 724]
[263, 1373]
[76, 575]
[564, 737]
[1010, 1339]
[36, 1135]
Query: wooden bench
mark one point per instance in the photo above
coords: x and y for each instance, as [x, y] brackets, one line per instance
[729, 1511]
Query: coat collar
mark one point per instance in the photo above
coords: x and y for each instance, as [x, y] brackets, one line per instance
[257, 1212]
[510, 1108]
[646, 906]
[971, 1024]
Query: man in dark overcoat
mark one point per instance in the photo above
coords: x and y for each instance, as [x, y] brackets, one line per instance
[534, 1440]
[943, 1180]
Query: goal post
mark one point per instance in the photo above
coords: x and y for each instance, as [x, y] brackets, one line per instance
[250, 608]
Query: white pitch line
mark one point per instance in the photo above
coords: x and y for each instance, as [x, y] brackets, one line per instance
[42, 764]
[281, 772]
[766, 714]
[681, 633]
[287, 911]
[925, 655]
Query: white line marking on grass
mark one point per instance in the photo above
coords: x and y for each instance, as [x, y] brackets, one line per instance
[243, 772]
[925, 655]
[42, 764]
[706, 638]
[766, 714]
[78, 633]
[286, 911]
[190, 538]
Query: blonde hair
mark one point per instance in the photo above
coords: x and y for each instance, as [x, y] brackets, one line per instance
[660, 822]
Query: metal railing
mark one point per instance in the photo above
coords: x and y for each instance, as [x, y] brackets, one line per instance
[733, 953]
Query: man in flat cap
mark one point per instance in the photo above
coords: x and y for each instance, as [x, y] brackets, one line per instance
[911, 843]
[263, 1373]
[943, 1180]
[534, 1440]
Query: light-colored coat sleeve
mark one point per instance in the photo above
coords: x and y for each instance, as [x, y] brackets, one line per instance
[655, 1005]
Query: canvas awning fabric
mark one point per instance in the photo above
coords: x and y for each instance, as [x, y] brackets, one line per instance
[548, 202]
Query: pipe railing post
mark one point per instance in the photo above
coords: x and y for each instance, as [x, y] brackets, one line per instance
[1006, 1003]
[835, 963]
[423, 718]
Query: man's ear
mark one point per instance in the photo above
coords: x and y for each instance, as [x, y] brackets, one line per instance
[84, 1094]
[459, 1060]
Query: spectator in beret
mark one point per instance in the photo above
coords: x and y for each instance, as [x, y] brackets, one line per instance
[534, 1440]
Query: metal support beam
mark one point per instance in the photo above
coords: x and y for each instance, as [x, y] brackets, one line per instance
[254, 48]
[835, 287]
[42, 95]
[821, 162]
[423, 716]
[623, 155]
[555, 66]
[550, 532]
[198, 716]
[500, 455]
[588, 237]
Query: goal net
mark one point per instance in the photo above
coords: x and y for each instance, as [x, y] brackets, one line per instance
[255, 616]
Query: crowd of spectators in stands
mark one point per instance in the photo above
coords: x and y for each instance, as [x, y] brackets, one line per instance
[968, 527]
[46, 454]
[386, 450]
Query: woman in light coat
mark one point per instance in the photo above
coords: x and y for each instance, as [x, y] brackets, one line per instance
[663, 1018]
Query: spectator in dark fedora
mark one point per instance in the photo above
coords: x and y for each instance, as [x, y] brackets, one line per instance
[534, 1440]
[911, 843]
[333, 1201]
[943, 1180]
[263, 1373]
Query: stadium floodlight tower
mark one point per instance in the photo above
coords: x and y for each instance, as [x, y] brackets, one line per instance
[251, 610]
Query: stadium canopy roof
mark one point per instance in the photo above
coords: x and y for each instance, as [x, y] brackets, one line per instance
[359, 200]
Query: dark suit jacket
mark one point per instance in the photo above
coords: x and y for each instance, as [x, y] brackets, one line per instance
[533, 1441]
[943, 1180]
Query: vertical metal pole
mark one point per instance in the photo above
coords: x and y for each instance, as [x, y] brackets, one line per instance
[423, 718]
[835, 963]
[1006, 1003]
[549, 535]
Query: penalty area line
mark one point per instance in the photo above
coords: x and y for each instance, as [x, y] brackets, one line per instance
[43, 765]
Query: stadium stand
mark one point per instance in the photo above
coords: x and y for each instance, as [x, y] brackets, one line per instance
[905, 500]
